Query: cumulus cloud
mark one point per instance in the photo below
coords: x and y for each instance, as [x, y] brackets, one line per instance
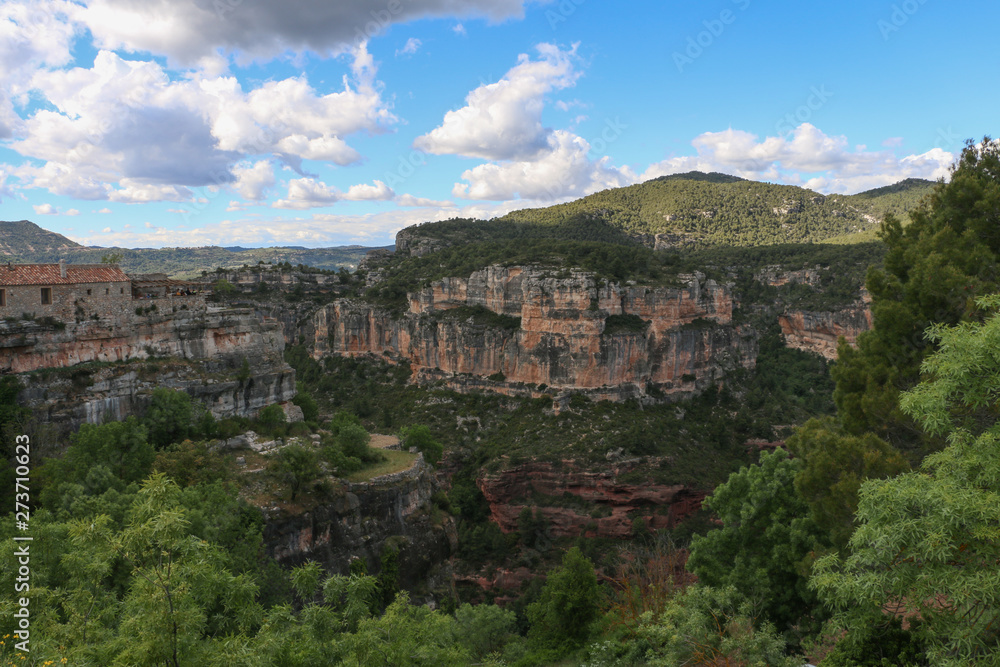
[565, 170]
[412, 46]
[189, 30]
[128, 120]
[105, 210]
[253, 181]
[32, 34]
[306, 193]
[503, 120]
[45, 209]
[807, 157]
[377, 192]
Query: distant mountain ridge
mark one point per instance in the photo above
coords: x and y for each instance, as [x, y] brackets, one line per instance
[23, 237]
[25, 242]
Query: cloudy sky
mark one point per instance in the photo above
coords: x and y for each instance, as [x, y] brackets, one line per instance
[150, 123]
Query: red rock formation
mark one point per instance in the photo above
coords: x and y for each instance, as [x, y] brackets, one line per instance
[819, 332]
[689, 344]
[660, 506]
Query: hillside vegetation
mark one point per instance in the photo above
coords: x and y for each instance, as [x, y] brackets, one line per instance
[707, 210]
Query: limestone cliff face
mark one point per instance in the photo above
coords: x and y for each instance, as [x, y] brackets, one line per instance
[687, 341]
[528, 485]
[197, 350]
[819, 331]
[394, 510]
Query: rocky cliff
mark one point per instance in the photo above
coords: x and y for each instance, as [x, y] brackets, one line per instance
[93, 371]
[392, 511]
[819, 331]
[526, 329]
[577, 501]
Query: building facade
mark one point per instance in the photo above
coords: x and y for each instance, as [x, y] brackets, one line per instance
[66, 292]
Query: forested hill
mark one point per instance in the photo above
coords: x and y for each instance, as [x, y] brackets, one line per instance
[716, 209]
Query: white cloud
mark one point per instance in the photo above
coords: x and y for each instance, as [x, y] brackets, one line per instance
[253, 181]
[412, 46]
[106, 230]
[189, 30]
[32, 34]
[410, 200]
[128, 120]
[565, 170]
[105, 210]
[808, 157]
[377, 192]
[136, 192]
[459, 29]
[72, 211]
[503, 120]
[45, 209]
[306, 193]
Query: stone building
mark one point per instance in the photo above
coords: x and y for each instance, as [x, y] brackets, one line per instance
[66, 292]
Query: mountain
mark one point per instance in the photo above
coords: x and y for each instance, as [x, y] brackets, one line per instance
[22, 238]
[27, 242]
[716, 209]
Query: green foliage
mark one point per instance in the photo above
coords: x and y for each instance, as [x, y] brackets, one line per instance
[927, 541]
[880, 642]
[388, 575]
[708, 626]
[483, 629]
[99, 458]
[310, 409]
[834, 466]
[934, 269]
[482, 316]
[296, 465]
[169, 416]
[624, 324]
[244, 373]
[353, 440]
[567, 606]
[420, 437]
[761, 549]
[271, 419]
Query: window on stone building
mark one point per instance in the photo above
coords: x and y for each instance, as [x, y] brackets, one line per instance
[46, 296]
[88, 292]
[123, 290]
[3, 297]
[107, 290]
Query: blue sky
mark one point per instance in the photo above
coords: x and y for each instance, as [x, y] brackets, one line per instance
[250, 122]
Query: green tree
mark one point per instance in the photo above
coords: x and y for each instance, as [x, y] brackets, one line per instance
[934, 269]
[561, 618]
[929, 541]
[763, 546]
[484, 629]
[310, 409]
[421, 438]
[297, 465]
[169, 416]
[271, 419]
[834, 466]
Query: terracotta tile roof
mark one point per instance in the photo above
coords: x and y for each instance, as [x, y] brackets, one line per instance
[48, 274]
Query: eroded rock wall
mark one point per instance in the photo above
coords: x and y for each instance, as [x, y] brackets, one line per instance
[819, 331]
[200, 351]
[393, 511]
[689, 341]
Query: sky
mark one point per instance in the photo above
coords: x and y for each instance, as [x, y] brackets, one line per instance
[179, 123]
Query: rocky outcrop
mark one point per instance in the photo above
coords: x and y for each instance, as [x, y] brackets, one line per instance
[200, 351]
[530, 329]
[364, 519]
[577, 501]
[819, 331]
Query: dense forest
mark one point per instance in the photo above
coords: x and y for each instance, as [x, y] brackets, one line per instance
[870, 538]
